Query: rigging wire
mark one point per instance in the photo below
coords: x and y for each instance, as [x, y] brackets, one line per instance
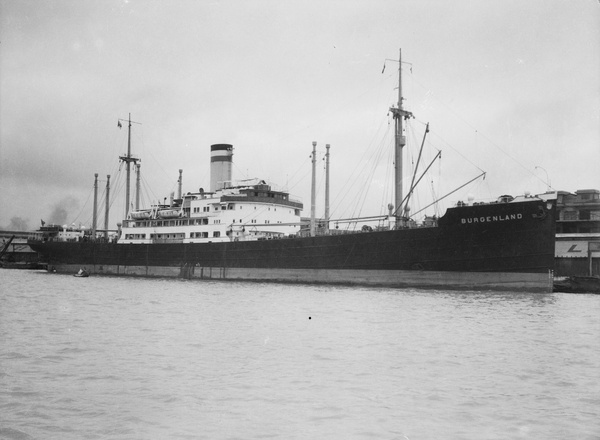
[447, 144]
[477, 132]
[146, 195]
[116, 189]
[90, 193]
[240, 171]
[387, 193]
[375, 164]
[433, 196]
[302, 167]
[368, 157]
[436, 206]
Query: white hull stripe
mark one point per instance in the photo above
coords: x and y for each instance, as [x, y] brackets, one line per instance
[505, 281]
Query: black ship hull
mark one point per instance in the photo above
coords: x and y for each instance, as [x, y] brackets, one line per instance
[502, 246]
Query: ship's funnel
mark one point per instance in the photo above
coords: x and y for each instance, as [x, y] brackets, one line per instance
[220, 165]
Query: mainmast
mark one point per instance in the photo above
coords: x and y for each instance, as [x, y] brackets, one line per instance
[137, 186]
[95, 211]
[327, 146]
[400, 140]
[313, 227]
[128, 159]
[107, 206]
[179, 185]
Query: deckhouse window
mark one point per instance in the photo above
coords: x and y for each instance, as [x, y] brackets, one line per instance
[135, 236]
[216, 234]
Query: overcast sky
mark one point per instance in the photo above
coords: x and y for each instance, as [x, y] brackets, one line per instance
[507, 86]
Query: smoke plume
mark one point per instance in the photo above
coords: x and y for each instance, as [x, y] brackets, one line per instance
[64, 211]
[18, 224]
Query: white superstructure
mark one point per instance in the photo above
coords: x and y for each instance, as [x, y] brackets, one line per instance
[232, 212]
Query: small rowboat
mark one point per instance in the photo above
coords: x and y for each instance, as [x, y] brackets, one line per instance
[83, 273]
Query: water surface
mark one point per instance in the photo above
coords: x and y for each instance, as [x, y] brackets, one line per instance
[124, 358]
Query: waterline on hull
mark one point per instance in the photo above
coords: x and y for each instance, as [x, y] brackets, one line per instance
[501, 281]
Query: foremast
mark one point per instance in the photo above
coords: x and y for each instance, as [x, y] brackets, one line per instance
[399, 115]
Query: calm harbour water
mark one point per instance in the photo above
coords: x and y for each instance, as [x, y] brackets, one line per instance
[122, 358]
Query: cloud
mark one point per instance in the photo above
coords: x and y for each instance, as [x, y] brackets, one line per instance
[265, 77]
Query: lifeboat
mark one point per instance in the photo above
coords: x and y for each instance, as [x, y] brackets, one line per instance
[83, 273]
[141, 215]
[169, 213]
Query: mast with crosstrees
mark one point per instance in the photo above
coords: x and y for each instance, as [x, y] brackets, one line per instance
[399, 115]
[128, 159]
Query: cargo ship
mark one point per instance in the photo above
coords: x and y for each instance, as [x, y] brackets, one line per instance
[247, 230]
